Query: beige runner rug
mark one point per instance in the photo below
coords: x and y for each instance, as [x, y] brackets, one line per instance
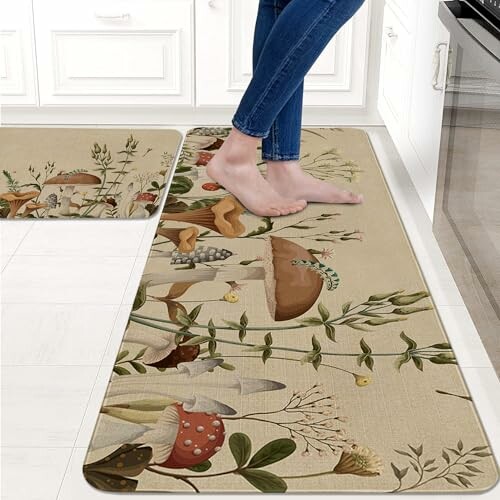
[298, 354]
[64, 173]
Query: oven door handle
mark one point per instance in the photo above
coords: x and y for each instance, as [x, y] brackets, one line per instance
[437, 68]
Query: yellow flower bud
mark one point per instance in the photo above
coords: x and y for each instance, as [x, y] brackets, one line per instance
[231, 297]
[361, 380]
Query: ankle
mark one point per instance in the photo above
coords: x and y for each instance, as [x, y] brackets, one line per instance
[277, 166]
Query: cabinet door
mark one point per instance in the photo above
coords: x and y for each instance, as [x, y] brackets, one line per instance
[395, 74]
[224, 37]
[427, 95]
[114, 52]
[17, 66]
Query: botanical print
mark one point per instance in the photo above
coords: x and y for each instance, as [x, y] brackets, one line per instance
[298, 354]
[84, 173]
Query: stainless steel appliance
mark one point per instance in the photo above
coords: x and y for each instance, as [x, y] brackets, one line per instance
[467, 211]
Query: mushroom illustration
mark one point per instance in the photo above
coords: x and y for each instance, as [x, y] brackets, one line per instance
[31, 207]
[126, 204]
[139, 210]
[179, 438]
[162, 350]
[200, 255]
[183, 238]
[16, 200]
[222, 217]
[291, 289]
[70, 181]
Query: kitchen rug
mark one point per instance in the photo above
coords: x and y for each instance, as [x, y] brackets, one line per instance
[298, 354]
[65, 173]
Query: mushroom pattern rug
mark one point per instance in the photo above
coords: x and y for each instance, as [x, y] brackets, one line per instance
[66, 173]
[299, 354]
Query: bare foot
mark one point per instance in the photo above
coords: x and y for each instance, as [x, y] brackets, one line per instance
[288, 178]
[234, 168]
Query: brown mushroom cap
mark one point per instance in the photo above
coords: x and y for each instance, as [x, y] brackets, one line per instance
[290, 290]
[79, 178]
[184, 238]
[16, 200]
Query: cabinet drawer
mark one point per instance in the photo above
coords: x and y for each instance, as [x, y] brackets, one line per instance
[114, 52]
[395, 73]
[17, 66]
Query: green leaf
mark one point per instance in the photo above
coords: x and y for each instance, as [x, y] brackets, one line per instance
[119, 370]
[365, 347]
[451, 481]
[140, 296]
[268, 339]
[212, 347]
[399, 473]
[241, 448]
[183, 318]
[444, 345]
[358, 327]
[405, 453]
[272, 452]
[410, 310]
[443, 360]
[244, 320]
[330, 332]
[140, 353]
[195, 312]
[264, 481]
[266, 354]
[418, 451]
[211, 329]
[203, 467]
[316, 362]
[460, 445]
[410, 342]
[406, 300]
[405, 358]
[346, 307]
[122, 355]
[369, 362]
[418, 363]
[180, 185]
[446, 457]
[323, 312]
[315, 343]
[382, 296]
[138, 367]
[232, 324]
[227, 366]
[310, 321]
[242, 334]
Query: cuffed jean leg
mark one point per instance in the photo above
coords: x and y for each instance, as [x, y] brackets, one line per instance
[297, 38]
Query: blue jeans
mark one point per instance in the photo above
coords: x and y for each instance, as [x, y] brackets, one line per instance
[289, 36]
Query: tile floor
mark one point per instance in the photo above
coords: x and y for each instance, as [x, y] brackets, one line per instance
[66, 293]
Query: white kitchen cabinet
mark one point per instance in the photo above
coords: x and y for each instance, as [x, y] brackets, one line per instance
[114, 52]
[427, 98]
[17, 62]
[395, 72]
[411, 90]
[224, 37]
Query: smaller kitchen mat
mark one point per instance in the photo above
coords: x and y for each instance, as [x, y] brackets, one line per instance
[73, 173]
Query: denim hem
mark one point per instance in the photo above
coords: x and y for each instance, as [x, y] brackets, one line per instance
[275, 157]
[244, 130]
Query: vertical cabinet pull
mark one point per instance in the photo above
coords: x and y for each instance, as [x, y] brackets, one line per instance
[436, 85]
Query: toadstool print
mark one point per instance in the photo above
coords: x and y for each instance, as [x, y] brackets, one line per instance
[222, 217]
[139, 210]
[70, 181]
[16, 200]
[183, 238]
[291, 289]
[179, 438]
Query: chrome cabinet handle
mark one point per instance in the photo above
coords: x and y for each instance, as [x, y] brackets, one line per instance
[112, 17]
[437, 67]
